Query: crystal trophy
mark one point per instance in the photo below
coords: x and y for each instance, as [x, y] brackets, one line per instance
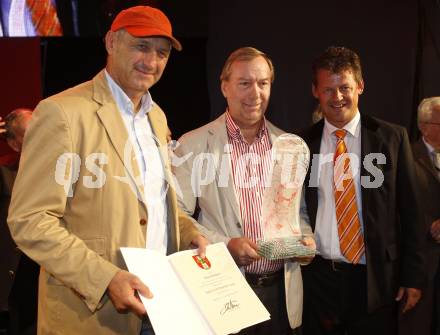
[280, 219]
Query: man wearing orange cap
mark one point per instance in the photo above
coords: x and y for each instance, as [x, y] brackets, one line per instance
[93, 178]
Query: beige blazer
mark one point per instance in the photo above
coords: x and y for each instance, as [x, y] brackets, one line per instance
[76, 237]
[219, 216]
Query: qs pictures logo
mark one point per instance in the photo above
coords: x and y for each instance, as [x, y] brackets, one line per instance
[142, 165]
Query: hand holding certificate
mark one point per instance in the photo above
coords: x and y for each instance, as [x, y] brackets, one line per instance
[194, 295]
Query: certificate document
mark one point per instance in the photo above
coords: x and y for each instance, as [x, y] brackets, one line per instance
[195, 296]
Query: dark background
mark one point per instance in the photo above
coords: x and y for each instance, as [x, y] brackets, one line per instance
[397, 40]
[394, 39]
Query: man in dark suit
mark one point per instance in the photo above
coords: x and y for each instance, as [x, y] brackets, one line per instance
[424, 319]
[21, 288]
[366, 228]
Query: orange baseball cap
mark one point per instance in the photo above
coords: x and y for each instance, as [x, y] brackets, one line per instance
[144, 21]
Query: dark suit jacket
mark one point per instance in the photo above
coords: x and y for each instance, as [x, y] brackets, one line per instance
[428, 184]
[18, 273]
[8, 251]
[393, 235]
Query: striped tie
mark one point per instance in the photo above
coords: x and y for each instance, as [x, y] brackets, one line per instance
[351, 239]
[44, 17]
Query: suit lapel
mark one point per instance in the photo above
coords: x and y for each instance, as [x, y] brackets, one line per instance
[216, 143]
[421, 154]
[114, 126]
[313, 140]
[371, 142]
[160, 129]
[273, 137]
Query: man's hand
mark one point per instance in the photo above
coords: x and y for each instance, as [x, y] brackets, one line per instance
[243, 250]
[122, 293]
[409, 296]
[200, 242]
[309, 242]
[435, 230]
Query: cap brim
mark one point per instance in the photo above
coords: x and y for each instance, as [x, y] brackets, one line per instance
[148, 32]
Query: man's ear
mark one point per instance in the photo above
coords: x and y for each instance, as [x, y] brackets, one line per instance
[422, 128]
[110, 41]
[224, 88]
[13, 144]
[314, 91]
[361, 87]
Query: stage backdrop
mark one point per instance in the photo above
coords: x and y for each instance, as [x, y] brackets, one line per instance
[20, 83]
[400, 58]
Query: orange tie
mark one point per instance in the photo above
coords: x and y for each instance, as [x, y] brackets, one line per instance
[44, 18]
[351, 239]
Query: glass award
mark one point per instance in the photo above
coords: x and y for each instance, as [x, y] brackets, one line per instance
[280, 219]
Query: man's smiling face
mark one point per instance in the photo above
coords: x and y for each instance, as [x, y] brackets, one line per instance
[338, 95]
[247, 91]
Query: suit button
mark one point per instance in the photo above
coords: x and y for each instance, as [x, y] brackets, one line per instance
[11, 273]
[238, 225]
[143, 222]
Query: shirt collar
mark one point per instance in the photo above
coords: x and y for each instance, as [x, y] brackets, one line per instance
[352, 127]
[234, 131]
[429, 147]
[124, 103]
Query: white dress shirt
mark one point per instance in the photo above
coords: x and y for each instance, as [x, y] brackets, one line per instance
[326, 229]
[150, 163]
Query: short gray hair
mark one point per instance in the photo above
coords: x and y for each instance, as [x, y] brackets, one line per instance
[424, 112]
